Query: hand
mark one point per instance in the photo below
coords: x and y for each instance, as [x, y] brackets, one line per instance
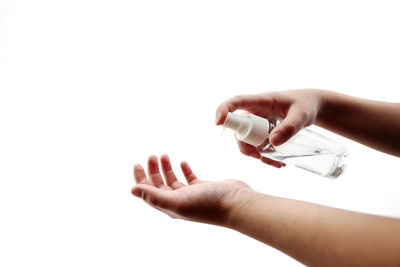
[209, 202]
[299, 108]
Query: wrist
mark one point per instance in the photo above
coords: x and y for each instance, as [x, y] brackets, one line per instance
[324, 105]
[240, 204]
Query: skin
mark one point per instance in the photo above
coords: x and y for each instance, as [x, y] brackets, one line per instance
[313, 234]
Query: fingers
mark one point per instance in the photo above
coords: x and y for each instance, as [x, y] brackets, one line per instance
[156, 197]
[271, 162]
[189, 175]
[155, 178]
[248, 150]
[251, 151]
[154, 172]
[169, 175]
[250, 102]
[295, 120]
[140, 175]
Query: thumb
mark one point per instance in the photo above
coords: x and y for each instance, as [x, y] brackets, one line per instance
[154, 196]
[294, 121]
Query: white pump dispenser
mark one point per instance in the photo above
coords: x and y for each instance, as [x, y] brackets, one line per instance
[249, 128]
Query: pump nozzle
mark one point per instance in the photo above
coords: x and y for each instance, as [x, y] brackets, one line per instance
[251, 129]
[232, 121]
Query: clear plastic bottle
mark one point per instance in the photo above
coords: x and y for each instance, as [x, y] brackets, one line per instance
[307, 150]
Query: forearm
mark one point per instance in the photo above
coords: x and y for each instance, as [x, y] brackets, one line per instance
[372, 123]
[318, 235]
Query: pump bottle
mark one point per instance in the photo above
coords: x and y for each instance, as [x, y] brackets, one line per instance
[307, 150]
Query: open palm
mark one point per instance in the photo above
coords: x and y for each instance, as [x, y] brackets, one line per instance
[198, 201]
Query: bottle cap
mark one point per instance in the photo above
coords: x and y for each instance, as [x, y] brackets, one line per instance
[250, 128]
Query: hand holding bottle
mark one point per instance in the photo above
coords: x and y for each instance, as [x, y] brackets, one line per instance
[299, 108]
[373, 123]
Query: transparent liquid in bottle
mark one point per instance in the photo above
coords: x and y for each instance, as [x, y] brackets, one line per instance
[308, 150]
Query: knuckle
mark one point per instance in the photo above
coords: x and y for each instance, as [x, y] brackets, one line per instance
[304, 115]
[289, 129]
[236, 98]
[311, 118]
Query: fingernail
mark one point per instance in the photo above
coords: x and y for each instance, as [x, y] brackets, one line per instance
[137, 192]
[276, 139]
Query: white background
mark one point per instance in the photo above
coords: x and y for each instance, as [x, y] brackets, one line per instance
[88, 88]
